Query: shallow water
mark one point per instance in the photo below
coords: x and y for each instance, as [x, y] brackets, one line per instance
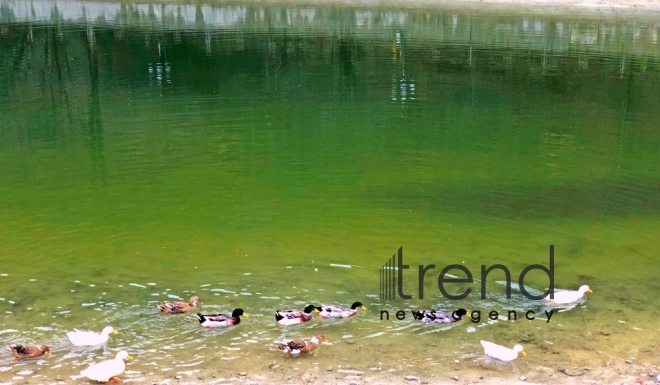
[275, 157]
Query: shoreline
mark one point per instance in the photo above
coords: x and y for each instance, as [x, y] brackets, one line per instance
[349, 361]
[299, 371]
[590, 9]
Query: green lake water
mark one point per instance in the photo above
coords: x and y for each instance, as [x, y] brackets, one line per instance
[277, 157]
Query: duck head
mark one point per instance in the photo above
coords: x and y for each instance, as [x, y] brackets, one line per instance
[458, 314]
[321, 337]
[311, 308]
[356, 305]
[519, 349]
[238, 313]
[585, 289]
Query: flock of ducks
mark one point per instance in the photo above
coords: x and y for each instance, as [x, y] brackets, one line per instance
[562, 299]
[107, 371]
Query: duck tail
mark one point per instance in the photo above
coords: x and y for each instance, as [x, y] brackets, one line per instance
[201, 318]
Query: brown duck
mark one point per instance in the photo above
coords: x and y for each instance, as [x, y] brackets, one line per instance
[25, 351]
[301, 346]
[179, 307]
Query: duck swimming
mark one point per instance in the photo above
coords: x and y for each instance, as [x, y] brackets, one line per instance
[291, 317]
[26, 351]
[85, 338]
[301, 346]
[432, 317]
[180, 307]
[221, 320]
[568, 296]
[502, 353]
[105, 370]
[336, 311]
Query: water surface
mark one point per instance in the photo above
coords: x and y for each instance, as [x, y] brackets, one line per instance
[275, 157]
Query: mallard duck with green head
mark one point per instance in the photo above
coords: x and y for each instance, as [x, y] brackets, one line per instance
[336, 311]
[432, 317]
[294, 316]
[221, 320]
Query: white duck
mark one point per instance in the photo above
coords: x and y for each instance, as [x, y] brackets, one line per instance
[105, 370]
[568, 296]
[500, 352]
[83, 338]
